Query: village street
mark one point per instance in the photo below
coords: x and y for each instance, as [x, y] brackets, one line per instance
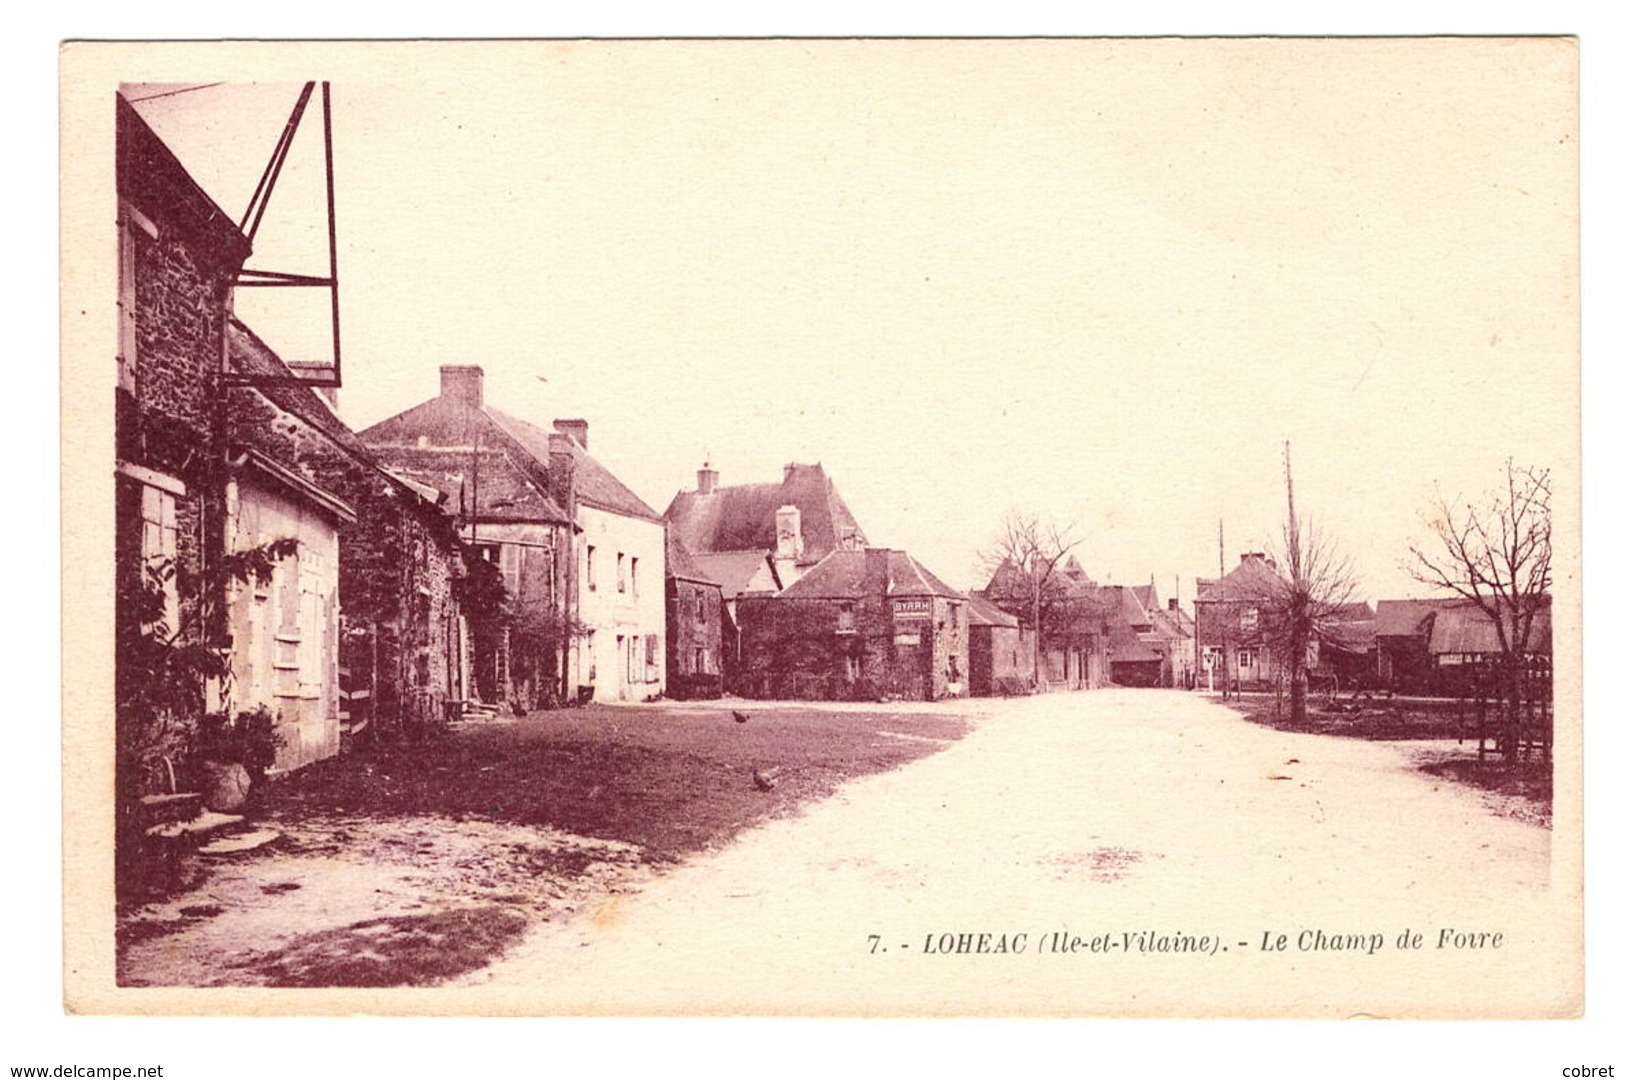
[1093, 814]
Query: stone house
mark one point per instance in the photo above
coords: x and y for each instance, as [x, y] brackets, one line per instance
[1001, 652]
[868, 625]
[694, 626]
[1176, 627]
[1073, 629]
[186, 498]
[1231, 612]
[399, 562]
[760, 538]
[582, 558]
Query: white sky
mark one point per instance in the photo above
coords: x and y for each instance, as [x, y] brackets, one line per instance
[1099, 280]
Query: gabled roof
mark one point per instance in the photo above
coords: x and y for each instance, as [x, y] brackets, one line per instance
[1169, 623]
[149, 175]
[743, 517]
[455, 426]
[1252, 578]
[486, 484]
[1409, 618]
[876, 572]
[596, 486]
[251, 356]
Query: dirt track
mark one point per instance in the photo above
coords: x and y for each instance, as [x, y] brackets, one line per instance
[1093, 813]
[1089, 813]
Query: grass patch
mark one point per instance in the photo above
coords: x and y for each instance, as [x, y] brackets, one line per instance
[674, 779]
[402, 950]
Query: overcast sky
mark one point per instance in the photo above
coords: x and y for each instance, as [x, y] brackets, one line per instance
[1103, 281]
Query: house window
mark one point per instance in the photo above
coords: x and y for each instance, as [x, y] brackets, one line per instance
[1249, 618]
[592, 656]
[854, 667]
[620, 571]
[699, 607]
[699, 662]
[1245, 659]
[953, 616]
[158, 546]
[634, 577]
[651, 658]
[592, 568]
[846, 620]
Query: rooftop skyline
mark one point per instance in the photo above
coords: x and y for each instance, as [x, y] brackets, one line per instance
[1101, 281]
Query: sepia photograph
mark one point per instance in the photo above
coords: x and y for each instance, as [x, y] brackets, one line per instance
[1069, 527]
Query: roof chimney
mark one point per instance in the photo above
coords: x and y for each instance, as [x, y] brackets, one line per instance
[463, 382]
[576, 429]
[1173, 603]
[707, 478]
[788, 522]
[561, 467]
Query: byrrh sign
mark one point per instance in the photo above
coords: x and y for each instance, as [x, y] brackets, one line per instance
[911, 609]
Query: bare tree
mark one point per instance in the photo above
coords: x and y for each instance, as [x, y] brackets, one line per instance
[1303, 601]
[1497, 554]
[1308, 605]
[1025, 564]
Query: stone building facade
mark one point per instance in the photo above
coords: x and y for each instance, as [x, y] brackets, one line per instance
[400, 656]
[859, 625]
[694, 626]
[581, 557]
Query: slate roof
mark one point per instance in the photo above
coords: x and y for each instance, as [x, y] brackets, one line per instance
[503, 489]
[249, 355]
[456, 426]
[681, 565]
[596, 486]
[853, 575]
[743, 517]
[984, 613]
[1252, 577]
[737, 571]
[1127, 647]
[148, 173]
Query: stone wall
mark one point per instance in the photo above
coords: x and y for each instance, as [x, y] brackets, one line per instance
[693, 625]
[398, 564]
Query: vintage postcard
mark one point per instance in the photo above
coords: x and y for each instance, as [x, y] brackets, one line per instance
[1055, 527]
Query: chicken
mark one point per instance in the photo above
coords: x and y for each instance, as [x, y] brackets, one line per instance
[739, 717]
[762, 780]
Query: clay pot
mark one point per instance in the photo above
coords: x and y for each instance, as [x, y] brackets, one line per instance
[225, 786]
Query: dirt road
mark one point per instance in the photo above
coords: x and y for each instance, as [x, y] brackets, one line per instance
[1155, 824]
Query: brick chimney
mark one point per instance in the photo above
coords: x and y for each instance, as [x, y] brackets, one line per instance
[707, 479]
[576, 429]
[463, 382]
[1173, 603]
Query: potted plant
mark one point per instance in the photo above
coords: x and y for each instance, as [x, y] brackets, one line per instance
[235, 754]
